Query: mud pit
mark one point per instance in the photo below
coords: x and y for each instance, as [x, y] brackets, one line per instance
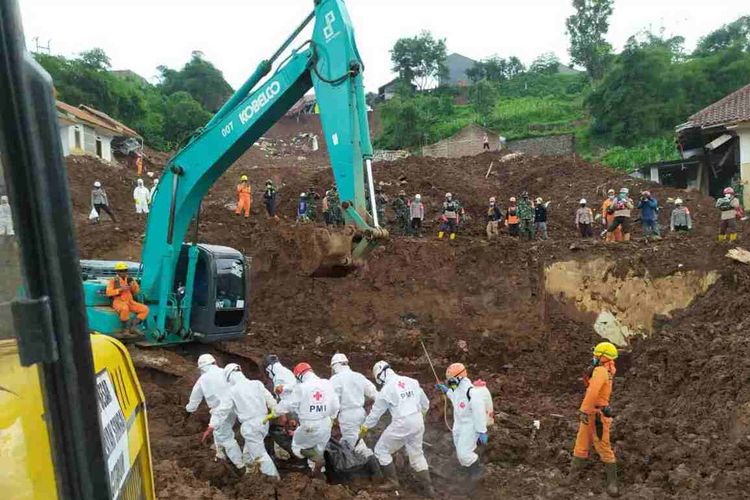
[681, 394]
[623, 306]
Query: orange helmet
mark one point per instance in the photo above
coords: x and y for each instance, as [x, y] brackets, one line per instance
[455, 370]
[300, 369]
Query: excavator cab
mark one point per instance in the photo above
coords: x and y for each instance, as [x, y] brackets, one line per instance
[220, 291]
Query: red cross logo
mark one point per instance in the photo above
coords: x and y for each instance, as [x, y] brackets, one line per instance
[317, 396]
[462, 405]
[401, 384]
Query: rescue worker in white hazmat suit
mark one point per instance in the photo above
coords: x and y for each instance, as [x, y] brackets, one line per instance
[283, 383]
[408, 404]
[253, 405]
[212, 387]
[469, 418]
[141, 197]
[316, 404]
[353, 389]
[6, 218]
[282, 378]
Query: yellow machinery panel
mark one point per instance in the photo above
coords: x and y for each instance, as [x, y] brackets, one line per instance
[26, 465]
[26, 470]
[122, 413]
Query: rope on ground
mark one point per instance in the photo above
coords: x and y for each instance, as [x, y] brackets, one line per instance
[437, 380]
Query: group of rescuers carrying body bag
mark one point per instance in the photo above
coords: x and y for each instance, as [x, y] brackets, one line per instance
[300, 412]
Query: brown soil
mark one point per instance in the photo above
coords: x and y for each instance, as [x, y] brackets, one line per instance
[681, 397]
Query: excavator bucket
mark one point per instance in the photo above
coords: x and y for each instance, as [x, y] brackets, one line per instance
[335, 251]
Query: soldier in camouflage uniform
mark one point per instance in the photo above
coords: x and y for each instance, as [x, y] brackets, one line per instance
[336, 217]
[401, 208]
[526, 216]
[381, 200]
[312, 204]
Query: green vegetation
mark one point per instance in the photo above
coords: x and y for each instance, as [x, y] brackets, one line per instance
[164, 114]
[623, 110]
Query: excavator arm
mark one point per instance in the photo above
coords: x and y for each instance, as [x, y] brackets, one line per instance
[329, 63]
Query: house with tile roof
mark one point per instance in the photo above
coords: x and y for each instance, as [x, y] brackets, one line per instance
[716, 140]
[85, 130]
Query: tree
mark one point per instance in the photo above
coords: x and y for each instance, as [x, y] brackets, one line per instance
[200, 79]
[546, 64]
[95, 59]
[420, 60]
[495, 69]
[514, 67]
[734, 34]
[586, 29]
[482, 96]
[183, 115]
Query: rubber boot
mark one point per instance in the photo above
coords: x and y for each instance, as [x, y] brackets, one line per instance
[576, 467]
[376, 472]
[732, 236]
[391, 478]
[453, 236]
[474, 474]
[612, 488]
[440, 235]
[722, 237]
[425, 482]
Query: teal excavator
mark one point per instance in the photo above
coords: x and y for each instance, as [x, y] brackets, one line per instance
[198, 292]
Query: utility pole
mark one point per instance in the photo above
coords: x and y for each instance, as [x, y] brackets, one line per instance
[40, 48]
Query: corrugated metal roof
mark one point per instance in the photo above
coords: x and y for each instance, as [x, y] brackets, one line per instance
[731, 109]
[96, 118]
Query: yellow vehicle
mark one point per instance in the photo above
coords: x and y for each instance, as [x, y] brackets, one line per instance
[72, 414]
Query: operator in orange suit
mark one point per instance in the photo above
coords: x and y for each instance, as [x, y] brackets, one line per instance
[595, 417]
[609, 215]
[244, 197]
[122, 288]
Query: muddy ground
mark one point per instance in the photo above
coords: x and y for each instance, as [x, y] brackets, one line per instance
[681, 395]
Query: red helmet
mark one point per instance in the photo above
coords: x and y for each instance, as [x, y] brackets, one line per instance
[300, 369]
[728, 190]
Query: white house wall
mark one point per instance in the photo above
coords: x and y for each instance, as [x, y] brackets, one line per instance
[744, 134]
[65, 139]
[106, 147]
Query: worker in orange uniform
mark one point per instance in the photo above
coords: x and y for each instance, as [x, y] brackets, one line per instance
[244, 197]
[122, 288]
[608, 216]
[595, 417]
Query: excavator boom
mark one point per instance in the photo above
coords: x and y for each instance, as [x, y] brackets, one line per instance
[330, 63]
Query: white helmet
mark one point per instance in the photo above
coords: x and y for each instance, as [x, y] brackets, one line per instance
[678, 201]
[205, 360]
[97, 184]
[339, 358]
[448, 195]
[583, 201]
[303, 195]
[379, 371]
[625, 191]
[230, 369]
[417, 196]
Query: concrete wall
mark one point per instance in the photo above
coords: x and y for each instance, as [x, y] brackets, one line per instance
[553, 145]
[744, 134]
[468, 142]
[89, 137]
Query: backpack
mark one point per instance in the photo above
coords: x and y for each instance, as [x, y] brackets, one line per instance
[724, 204]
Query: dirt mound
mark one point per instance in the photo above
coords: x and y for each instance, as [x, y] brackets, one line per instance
[680, 395]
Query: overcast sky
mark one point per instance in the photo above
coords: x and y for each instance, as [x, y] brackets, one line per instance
[236, 34]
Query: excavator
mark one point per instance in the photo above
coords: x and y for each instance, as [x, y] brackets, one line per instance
[197, 292]
[73, 419]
